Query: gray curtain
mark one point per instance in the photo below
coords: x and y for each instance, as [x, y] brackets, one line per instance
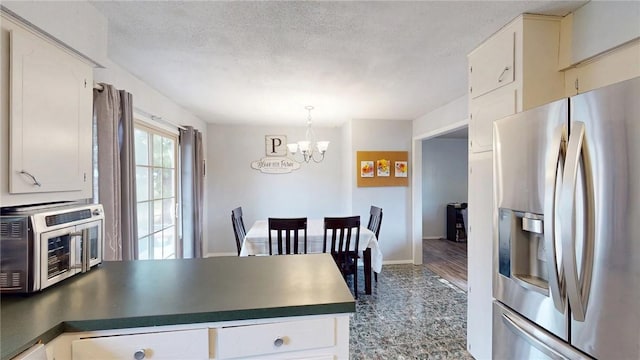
[192, 181]
[113, 112]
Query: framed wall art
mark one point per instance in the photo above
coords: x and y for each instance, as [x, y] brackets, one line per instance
[382, 168]
[366, 169]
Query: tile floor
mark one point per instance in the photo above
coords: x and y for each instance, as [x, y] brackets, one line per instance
[411, 314]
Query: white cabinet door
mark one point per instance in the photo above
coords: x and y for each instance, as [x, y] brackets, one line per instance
[484, 111]
[480, 250]
[50, 117]
[184, 345]
[492, 65]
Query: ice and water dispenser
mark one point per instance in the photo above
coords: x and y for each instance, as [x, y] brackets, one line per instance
[521, 249]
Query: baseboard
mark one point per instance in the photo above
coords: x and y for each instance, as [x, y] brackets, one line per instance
[220, 254]
[433, 237]
[397, 262]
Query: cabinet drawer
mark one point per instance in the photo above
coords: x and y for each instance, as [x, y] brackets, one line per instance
[275, 338]
[492, 65]
[187, 344]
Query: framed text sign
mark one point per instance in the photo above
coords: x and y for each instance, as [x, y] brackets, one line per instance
[275, 160]
[382, 168]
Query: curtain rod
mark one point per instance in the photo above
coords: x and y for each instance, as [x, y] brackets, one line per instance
[149, 115]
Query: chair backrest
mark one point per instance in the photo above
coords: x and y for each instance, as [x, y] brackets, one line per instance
[375, 220]
[287, 232]
[342, 232]
[238, 227]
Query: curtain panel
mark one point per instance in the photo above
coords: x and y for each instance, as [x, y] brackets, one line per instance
[192, 182]
[113, 112]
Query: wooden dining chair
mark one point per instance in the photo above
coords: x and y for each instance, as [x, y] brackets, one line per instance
[375, 220]
[341, 238]
[287, 231]
[238, 227]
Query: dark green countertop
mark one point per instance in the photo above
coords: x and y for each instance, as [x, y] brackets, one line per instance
[168, 292]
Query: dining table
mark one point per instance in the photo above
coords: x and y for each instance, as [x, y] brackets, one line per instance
[256, 242]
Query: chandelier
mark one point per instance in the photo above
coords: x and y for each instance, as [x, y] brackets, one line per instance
[309, 147]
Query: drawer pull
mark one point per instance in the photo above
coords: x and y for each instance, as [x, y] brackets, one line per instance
[139, 354]
[278, 342]
[506, 68]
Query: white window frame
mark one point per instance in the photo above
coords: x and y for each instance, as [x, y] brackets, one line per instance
[154, 130]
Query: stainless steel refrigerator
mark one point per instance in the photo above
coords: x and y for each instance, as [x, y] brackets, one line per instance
[567, 249]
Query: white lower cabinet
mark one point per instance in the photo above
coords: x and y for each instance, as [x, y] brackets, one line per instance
[317, 337]
[36, 352]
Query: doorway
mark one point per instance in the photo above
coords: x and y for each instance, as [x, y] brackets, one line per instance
[444, 184]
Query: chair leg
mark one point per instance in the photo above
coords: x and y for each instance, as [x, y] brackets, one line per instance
[355, 282]
[375, 276]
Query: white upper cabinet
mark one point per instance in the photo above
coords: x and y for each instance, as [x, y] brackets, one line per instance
[492, 65]
[49, 152]
[514, 70]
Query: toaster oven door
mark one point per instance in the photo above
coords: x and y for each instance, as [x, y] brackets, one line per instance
[90, 245]
[58, 256]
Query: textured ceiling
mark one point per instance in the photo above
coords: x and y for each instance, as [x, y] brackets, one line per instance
[261, 62]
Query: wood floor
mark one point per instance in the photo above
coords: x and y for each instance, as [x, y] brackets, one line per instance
[448, 259]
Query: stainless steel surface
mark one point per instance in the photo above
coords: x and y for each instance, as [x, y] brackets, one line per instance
[519, 162]
[520, 171]
[54, 243]
[517, 338]
[521, 280]
[590, 194]
[611, 117]
[576, 214]
[553, 181]
[534, 305]
[531, 224]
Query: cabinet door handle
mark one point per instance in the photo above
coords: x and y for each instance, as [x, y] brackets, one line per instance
[278, 342]
[500, 78]
[139, 354]
[33, 178]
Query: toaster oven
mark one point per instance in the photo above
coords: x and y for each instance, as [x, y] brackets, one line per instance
[41, 246]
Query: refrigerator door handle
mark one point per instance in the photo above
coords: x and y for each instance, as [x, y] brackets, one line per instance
[577, 288]
[540, 340]
[553, 181]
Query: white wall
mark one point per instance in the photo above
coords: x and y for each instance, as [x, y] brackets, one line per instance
[315, 190]
[75, 23]
[444, 180]
[395, 201]
[442, 118]
[451, 116]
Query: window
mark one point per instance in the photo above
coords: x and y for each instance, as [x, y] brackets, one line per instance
[156, 189]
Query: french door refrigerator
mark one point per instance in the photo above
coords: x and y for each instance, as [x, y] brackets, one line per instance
[567, 250]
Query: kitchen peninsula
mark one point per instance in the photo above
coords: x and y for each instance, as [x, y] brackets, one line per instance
[271, 306]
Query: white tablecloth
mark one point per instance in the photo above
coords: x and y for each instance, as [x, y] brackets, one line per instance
[256, 242]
